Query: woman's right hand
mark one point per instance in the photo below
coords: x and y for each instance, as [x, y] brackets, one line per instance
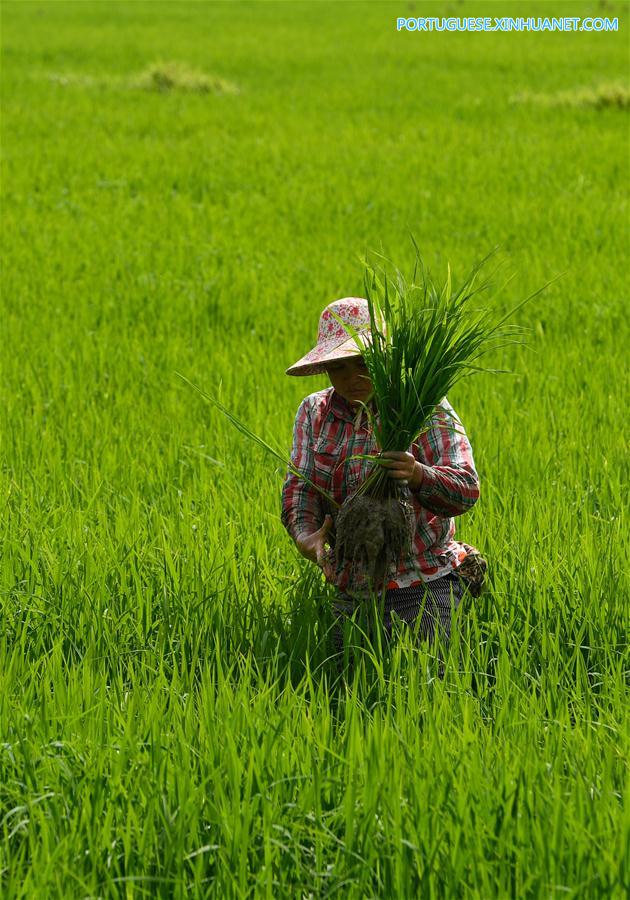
[313, 547]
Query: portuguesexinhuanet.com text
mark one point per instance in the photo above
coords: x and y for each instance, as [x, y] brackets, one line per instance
[507, 23]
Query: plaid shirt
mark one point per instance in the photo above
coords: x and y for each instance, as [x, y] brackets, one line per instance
[327, 431]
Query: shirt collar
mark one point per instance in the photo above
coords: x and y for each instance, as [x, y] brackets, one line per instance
[343, 410]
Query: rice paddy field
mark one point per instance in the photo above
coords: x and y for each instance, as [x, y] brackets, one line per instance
[185, 186]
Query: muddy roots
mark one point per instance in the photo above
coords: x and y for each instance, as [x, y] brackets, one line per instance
[372, 534]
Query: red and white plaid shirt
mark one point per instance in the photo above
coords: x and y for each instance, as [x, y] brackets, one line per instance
[328, 430]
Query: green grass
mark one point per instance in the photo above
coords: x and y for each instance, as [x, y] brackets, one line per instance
[170, 723]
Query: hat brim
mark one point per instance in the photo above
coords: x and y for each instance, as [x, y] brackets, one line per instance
[314, 362]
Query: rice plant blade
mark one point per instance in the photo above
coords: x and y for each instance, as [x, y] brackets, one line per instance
[248, 433]
[526, 300]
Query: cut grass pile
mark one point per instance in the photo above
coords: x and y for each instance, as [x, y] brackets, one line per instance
[161, 77]
[601, 96]
[176, 76]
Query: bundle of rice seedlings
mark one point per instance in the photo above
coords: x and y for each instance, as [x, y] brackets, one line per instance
[422, 340]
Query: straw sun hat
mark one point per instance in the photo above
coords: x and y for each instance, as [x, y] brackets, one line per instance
[333, 341]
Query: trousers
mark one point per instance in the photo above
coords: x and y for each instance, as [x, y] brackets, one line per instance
[433, 601]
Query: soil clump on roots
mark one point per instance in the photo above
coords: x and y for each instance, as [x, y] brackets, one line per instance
[372, 533]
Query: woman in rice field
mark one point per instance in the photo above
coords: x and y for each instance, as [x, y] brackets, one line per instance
[330, 427]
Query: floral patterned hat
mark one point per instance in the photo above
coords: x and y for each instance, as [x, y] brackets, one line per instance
[333, 341]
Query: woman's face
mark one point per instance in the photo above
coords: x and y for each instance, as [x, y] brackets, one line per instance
[350, 378]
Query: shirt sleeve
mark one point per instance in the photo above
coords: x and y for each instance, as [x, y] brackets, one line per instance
[302, 505]
[450, 485]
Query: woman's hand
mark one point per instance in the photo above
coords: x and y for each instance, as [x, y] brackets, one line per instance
[403, 467]
[313, 547]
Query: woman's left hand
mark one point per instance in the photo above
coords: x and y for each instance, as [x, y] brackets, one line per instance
[402, 466]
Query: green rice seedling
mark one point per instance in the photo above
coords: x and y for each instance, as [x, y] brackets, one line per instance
[423, 339]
